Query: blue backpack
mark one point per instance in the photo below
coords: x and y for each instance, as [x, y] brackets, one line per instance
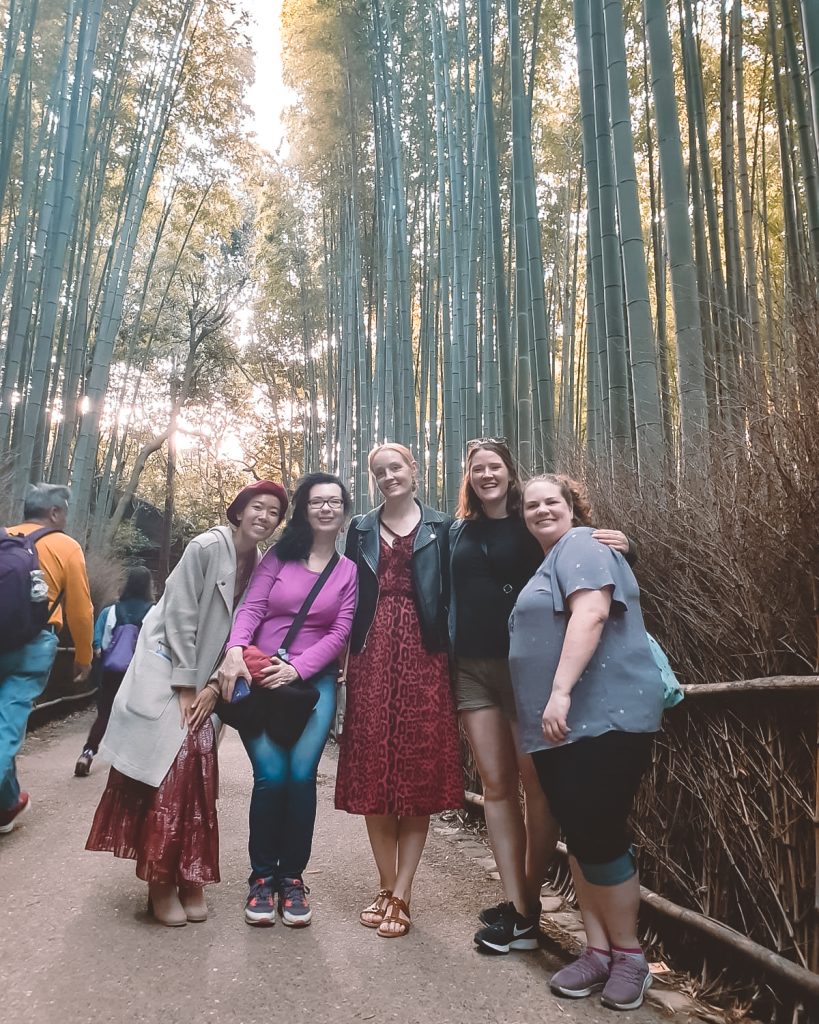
[672, 691]
[24, 607]
[118, 654]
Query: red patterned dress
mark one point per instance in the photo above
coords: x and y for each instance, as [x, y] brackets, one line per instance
[400, 751]
[171, 832]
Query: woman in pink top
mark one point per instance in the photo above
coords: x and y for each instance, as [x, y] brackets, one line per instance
[283, 804]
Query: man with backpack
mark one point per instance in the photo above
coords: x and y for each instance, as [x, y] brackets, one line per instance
[42, 575]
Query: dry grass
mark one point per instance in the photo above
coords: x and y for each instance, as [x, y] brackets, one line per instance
[729, 575]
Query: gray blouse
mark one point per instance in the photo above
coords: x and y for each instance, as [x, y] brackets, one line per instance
[621, 686]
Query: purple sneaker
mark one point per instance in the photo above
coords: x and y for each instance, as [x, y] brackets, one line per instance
[589, 973]
[628, 982]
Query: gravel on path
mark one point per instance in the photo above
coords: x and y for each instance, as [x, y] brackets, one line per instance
[76, 944]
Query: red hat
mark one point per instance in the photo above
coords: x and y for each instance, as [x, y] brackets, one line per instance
[246, 493]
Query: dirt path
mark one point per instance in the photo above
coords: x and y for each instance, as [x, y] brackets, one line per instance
[76, 945]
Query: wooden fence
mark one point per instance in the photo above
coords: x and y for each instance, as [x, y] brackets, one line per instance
[726, 835]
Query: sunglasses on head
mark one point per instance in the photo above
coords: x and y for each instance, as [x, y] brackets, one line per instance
[476, 442]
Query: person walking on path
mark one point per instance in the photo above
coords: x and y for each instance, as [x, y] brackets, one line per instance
[159, 805]
[399, 759]
[589, 699]
[283, 802]
[111, 639]
[24, 670]
[492, 557]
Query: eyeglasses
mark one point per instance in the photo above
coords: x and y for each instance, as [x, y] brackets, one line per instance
[476, 442]
[333, 503]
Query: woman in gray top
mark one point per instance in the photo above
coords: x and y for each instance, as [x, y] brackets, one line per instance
[589, 699]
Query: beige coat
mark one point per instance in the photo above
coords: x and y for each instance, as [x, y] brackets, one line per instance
[179, 645]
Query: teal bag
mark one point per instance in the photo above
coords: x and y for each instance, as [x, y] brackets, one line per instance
[672, 691]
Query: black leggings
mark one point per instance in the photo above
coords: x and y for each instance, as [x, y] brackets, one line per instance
[591, 785]
[111, 682]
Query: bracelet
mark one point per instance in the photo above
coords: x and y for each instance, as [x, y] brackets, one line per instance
[214, 689]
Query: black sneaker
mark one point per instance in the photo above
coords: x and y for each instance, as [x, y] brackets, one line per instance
[260, 908]
[490, 915]
[293, 905]
[511, 931]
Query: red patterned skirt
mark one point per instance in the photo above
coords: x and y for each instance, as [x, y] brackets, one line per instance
[400, 750]
[170, 831]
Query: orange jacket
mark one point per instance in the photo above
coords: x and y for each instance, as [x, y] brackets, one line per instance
[63, 565]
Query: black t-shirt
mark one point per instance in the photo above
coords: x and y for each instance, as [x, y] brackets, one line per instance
[492, 561]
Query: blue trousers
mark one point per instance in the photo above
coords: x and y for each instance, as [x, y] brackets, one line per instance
[283, 803]
[23, 677]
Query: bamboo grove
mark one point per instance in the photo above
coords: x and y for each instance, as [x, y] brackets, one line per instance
[573, 224]
[590, 226]
[117, 155]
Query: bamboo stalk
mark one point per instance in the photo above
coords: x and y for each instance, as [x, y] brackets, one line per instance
[778, 683]
[813, 942]
[794, 976]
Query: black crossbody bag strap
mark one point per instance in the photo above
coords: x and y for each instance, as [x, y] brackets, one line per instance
[298, 622]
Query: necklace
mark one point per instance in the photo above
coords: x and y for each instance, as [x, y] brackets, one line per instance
[393, 533]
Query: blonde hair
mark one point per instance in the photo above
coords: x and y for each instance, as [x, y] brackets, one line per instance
[405, 455]
[573, 493]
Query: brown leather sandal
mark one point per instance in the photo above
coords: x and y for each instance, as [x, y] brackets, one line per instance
[376, 909]
[392, 917]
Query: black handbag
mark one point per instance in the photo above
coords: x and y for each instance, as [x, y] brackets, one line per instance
[283, 711]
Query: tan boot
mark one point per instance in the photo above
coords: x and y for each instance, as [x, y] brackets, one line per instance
[192, 898]
[164, 905]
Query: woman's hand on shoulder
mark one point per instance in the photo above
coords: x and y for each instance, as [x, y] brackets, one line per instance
[612, 539]
[232, 667]
[279, 673]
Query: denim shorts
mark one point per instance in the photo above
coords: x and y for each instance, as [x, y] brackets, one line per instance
[484, 683]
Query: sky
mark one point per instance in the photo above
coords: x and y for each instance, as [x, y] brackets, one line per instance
[268, 96]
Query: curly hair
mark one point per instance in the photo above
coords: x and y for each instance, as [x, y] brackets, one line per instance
[573, 492]
[469, 504]
[297, 537]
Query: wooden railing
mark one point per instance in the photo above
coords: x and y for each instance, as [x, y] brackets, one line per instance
[726, 827]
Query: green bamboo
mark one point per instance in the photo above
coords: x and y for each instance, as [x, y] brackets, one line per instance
[642, 345]
[690, 359]
[613, 295]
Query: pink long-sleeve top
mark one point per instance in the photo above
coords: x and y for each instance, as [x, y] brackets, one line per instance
[276, 593]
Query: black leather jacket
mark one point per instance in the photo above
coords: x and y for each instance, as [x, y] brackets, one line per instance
[430, 575]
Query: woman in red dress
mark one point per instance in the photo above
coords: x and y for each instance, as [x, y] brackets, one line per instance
[400, 753]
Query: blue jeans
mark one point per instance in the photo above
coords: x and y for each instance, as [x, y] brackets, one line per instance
[283, 804]
[23, 677]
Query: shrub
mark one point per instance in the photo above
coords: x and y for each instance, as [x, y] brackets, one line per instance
[106, 575]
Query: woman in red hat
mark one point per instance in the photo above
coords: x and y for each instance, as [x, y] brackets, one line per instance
[159, 806]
